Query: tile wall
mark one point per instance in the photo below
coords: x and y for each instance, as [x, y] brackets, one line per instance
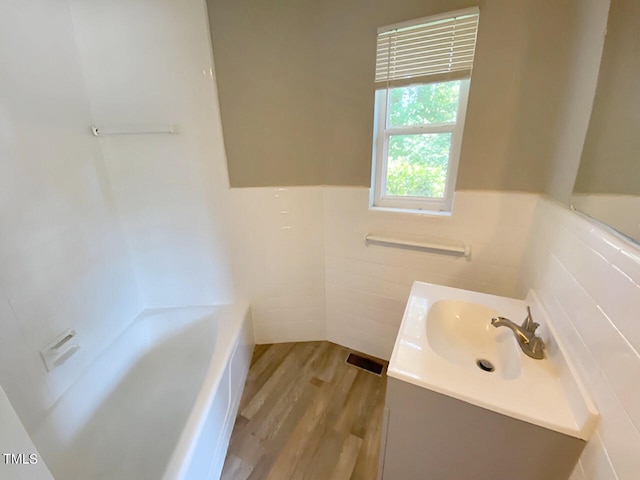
[309, 274]
[367, 286]
[279, 235]
[589, 282]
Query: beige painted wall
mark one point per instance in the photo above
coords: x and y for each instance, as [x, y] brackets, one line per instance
[295, 83]
[610, 162]
[578, 58]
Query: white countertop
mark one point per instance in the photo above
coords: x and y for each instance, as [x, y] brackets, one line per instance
[545, 392]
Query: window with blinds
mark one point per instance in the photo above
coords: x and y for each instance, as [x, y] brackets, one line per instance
[422, 79]
[433, 49]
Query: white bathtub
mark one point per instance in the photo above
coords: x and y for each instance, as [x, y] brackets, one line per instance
[158, 404]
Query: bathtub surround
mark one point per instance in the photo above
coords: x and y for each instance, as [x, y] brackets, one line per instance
[96, 230]
[178, 374]
[63, 256]
[151, 65]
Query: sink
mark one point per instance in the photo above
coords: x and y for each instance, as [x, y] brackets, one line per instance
[446, 344]
[461, 333]
[464, 401]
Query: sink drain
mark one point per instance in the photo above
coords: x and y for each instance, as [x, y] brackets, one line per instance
[485, 365]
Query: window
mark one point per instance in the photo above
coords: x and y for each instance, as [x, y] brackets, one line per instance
[423, 71]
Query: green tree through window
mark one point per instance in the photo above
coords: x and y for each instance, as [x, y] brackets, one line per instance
[417, 162]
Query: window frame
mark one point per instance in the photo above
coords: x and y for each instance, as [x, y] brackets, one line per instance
[382, 132]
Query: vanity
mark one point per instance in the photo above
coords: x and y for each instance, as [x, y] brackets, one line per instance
[465, 402]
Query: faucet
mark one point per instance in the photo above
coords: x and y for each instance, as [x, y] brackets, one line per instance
[529, 342]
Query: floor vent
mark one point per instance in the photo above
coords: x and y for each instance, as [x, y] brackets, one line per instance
[365, 363]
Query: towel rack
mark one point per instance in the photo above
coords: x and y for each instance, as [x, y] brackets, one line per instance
[133, 130]
[452, 248]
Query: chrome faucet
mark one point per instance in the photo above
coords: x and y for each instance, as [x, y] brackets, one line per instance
[529, 342]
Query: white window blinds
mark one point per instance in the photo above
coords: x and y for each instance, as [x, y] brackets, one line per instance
[427, 50]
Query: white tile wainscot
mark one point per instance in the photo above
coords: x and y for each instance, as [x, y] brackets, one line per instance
[309, 275]
[279, 236]
[589, 281]
[367, 286]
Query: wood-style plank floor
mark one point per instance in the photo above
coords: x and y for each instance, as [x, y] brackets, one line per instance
[306, 414]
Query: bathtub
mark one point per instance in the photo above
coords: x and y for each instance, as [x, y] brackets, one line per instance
[159, 403]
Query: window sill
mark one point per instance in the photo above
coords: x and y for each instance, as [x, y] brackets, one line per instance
[412, 211]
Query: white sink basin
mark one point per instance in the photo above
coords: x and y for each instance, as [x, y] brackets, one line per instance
[446, 331]
[461, 333]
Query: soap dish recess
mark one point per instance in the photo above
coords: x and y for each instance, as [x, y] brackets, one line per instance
[58, 351]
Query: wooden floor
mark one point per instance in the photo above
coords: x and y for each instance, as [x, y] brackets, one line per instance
[306, 414]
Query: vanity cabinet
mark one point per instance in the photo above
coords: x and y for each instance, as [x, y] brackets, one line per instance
[466, 402]
[431, 436]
